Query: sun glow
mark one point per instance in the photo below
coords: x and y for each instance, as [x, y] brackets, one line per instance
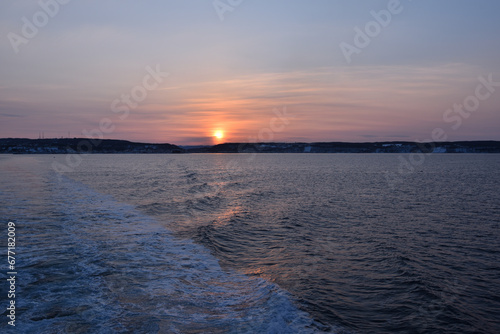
[219, 134]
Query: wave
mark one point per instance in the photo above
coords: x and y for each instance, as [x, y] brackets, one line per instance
[98, 265]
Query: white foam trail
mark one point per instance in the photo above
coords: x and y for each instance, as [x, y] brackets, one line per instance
[102, 266]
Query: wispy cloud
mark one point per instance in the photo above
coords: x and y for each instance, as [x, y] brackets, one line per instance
[230, 75]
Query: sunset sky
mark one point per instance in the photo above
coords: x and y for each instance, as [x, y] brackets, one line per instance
[234, 65]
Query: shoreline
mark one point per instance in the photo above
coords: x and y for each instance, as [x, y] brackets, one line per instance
[113, 146]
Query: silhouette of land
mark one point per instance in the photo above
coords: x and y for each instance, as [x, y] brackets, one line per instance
[84, 145]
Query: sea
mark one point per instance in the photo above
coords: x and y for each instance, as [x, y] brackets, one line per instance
[250, 243]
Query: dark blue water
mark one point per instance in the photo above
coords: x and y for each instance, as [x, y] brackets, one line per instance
[271, 243]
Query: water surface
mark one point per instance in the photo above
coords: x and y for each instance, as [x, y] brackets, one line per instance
[276, 243]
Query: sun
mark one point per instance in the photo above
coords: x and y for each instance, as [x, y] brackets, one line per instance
[219, 134]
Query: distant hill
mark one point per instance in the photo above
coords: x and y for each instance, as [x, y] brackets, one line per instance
[83, 145]
[343, 147]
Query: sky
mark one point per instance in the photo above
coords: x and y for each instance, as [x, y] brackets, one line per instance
[196, 72]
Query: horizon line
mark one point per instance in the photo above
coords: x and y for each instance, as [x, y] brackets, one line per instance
[257, 142]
